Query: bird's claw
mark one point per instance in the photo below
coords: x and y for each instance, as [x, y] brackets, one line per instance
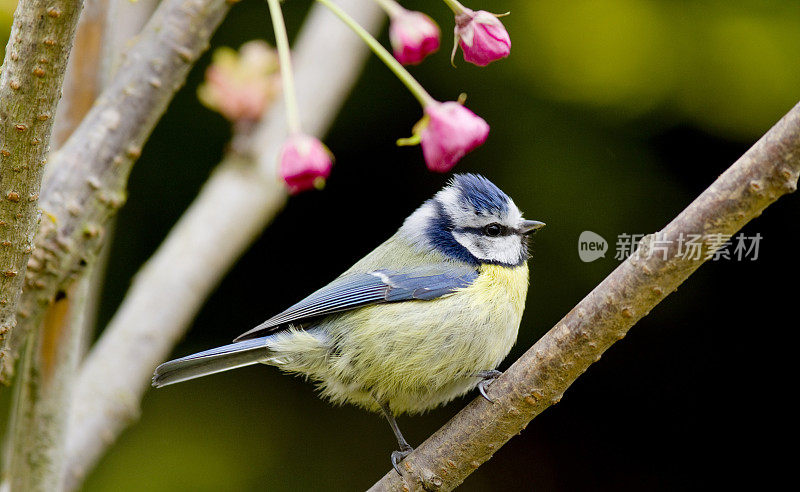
[398, 456]
[482, 389]
[488, 378]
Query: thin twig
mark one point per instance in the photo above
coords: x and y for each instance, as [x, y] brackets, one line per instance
[30, 87]
[170, 289]
[90, 173]
[539, 378]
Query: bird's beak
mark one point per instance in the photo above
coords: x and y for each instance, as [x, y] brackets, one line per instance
[530, 226]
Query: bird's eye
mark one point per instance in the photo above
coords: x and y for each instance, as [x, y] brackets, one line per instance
[493, 230]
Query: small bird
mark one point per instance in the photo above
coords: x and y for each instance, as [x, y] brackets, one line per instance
[424, 318]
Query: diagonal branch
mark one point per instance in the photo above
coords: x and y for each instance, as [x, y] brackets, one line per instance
[539, 378]
[30, 87]
[90, 172]
[240, 198]
[36, 444]
[82, 80]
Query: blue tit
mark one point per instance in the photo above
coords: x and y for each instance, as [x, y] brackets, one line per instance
[424, 318]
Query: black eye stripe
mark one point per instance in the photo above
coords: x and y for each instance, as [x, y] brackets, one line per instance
[505, 231]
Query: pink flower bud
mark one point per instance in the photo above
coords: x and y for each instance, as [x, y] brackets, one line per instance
[240, 85]
[451, 131]
[413, 35]
[482, 37]
[304, 163]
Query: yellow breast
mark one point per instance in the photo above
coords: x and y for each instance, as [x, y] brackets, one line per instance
[498, 300]
[501, 285]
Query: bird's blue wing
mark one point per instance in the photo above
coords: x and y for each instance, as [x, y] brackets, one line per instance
[357, 290]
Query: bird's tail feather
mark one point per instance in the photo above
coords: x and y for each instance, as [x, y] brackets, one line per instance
[212, 361]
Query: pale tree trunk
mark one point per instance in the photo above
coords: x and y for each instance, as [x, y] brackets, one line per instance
[170, 289]
[30, 87]
[36, 445]
[88, 181]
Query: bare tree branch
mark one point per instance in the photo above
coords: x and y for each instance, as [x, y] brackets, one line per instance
[87, 185]
[539, 378]
[30, 87]
[125, 20]
[168, 291]
[37, 440]
[35, 451]
[82, 80]
[103, 33]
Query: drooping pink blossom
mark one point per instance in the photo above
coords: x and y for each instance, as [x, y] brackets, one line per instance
[240, 85]
[482, 37]
[413, 35]
[450, 133]
[304, 163]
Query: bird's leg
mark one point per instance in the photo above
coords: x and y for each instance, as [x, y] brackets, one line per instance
[486, 378]
[405, 448]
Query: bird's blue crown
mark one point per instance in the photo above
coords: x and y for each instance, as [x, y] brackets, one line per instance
[480, 194]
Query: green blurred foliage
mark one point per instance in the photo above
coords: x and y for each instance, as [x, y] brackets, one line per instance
[609, 116]
[6, 14]
[728, 66]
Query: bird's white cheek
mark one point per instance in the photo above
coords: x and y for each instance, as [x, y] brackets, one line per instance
[507, 249]
[502, 249]
[471, 242]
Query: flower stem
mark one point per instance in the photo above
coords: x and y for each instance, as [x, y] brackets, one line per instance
[284, 55]
[416, 89]
[455, 6]
[390, 7]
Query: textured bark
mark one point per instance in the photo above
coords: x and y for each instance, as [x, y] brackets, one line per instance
[171, 287]
[30, 87]
[37, 440]
[90, 172]
[36, 447]
[83, 76]
[539, 378]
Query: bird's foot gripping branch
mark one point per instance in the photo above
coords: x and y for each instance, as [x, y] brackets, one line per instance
[539, 378]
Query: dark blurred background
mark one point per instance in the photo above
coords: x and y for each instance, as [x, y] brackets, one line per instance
[609, 116]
